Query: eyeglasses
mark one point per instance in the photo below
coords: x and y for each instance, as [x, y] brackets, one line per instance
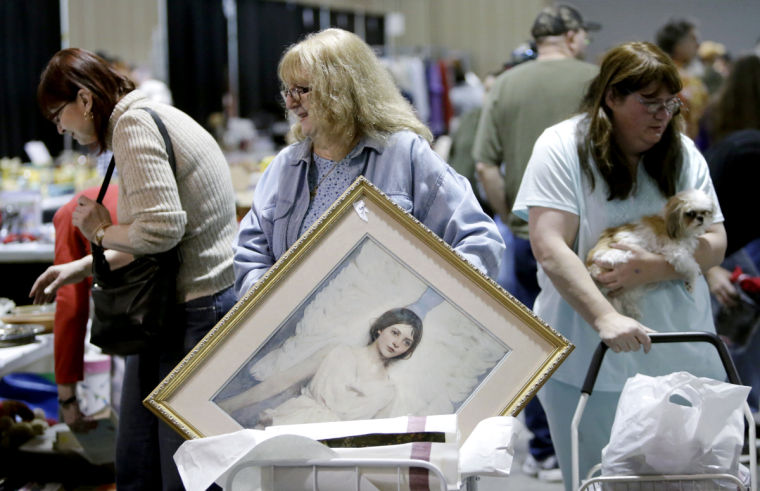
[295, 93]
[672, 105]
[57, 113]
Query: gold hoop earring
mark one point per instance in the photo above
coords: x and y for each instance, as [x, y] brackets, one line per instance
[88, 116]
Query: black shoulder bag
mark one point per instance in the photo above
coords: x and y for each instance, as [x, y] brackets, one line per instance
[134, 304]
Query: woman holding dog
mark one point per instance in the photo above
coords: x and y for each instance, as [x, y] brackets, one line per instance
[621, 159]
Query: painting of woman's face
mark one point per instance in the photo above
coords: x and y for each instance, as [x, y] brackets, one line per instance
[394, 340]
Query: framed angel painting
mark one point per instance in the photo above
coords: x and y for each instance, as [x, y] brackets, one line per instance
[369, 315]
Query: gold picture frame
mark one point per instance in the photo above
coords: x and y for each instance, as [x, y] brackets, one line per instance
[482, 353]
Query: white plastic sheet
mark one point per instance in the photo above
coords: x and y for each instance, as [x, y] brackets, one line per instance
[226, 458]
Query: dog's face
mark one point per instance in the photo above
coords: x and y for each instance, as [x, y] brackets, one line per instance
[689, 213]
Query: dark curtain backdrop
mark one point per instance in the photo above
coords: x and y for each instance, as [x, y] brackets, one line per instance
[197, 56]
[374, 30]
[342, 19]
[197, 52]
[30, 33]
[265, 30]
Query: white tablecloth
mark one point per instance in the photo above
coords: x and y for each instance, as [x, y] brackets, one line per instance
[34, 357]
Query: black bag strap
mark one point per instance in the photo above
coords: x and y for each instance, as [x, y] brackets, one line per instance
[106, 180]
[97, 251]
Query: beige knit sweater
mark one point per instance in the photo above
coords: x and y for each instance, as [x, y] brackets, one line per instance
[197, 210]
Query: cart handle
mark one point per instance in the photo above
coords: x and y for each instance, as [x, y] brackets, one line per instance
[669, 337]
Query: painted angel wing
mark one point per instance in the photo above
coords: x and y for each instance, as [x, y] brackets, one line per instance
[342, 310]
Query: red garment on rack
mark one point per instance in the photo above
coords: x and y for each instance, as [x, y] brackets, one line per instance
[448, 108]
[72, 308]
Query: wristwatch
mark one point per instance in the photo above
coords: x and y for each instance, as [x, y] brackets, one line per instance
[99, 234]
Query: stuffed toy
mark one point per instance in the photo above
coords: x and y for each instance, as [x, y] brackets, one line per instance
[19, 423]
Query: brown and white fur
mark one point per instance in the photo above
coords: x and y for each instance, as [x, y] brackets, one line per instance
[673, 234]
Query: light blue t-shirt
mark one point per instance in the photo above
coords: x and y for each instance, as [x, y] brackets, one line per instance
[553, 179]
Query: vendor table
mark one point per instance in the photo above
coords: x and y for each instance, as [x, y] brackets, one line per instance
[36, 357]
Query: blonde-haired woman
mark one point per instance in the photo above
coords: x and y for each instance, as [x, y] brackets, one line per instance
[350, 119]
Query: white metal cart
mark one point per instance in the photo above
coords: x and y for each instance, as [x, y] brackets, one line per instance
[639, 482]
[355, 466]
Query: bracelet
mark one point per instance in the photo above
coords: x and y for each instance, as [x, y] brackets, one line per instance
[66, 402]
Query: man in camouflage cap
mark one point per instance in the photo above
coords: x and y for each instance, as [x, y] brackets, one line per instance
[558, 20]
[522, 102]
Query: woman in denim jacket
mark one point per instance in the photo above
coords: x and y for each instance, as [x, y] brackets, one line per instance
[350, 119]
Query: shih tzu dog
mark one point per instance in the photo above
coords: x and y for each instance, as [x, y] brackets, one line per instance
[673, 234]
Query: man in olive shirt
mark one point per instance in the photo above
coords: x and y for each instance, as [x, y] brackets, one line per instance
[527, 99]
[523, 102]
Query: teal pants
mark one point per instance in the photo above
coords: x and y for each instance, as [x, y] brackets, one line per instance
[560, 401]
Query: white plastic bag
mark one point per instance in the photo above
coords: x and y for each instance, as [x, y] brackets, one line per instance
[490, 448]
[676, 424]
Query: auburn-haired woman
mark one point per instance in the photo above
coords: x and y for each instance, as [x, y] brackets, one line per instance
[193, 210]
[619, 160]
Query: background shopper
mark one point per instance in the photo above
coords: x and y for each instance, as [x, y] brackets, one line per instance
[194, 210]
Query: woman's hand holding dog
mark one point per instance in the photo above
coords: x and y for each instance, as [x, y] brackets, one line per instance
[641, 268]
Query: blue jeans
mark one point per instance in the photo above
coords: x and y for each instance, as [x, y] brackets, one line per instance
[145, 446]
[745, 357]
[518, 277]
[518, 268]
